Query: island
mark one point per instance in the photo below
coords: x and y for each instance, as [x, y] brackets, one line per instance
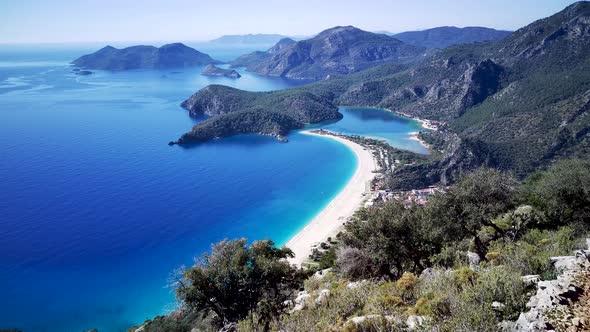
[213, 70]
[175, 55]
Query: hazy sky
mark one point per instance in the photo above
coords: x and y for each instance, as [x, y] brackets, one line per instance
[185, 20]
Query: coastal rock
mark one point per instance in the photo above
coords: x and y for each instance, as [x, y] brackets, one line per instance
[83, 72]
[213, 70]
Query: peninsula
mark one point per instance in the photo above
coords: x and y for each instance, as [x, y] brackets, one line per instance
[234, 112]
[175, 55]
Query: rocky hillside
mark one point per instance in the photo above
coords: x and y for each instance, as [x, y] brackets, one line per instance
[339, 50]
[144, 57]
[443, 37]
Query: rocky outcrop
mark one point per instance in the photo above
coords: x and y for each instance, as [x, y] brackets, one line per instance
[213, 70]
[175, 55]
[555, 296]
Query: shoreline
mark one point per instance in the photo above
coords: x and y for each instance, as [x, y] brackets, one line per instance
[329, 221]
[426, 124]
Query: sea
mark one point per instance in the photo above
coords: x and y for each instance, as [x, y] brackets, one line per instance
[97, 211]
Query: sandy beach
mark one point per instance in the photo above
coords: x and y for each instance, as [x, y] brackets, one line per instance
[329, 221]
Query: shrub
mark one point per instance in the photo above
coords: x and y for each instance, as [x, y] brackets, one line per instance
[354, 263]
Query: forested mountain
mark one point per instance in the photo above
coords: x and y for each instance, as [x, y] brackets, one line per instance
[442, 37]
[339, 50]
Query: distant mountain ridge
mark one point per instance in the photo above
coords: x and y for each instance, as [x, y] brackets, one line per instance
[144, 57]
[336, 51]
[443, 37]
[254, 58]
[248, 39]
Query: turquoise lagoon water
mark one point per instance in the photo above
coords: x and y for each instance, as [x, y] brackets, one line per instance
[379, 124]
[96, 209]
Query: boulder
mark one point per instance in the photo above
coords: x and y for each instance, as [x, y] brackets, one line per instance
[413, 322]
[301, 301]
[473, 260]
[323, 296]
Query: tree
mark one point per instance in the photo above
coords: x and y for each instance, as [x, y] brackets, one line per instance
[393, 239]
[472, 204]
[562, 192]
[235, 280]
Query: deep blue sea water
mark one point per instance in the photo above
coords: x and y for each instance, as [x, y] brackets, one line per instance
[96, 209]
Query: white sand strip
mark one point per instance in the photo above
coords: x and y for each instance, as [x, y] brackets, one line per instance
[329, 221]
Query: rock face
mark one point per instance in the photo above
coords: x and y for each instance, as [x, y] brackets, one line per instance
[213, 70]
[443, 37]
[553, 296]
[339, 50]
[144, 57]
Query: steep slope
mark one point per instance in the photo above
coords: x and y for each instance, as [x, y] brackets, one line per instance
[144, 57]
[340, 50]
[443, 37]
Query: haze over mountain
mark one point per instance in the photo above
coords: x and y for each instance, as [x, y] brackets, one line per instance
[339, 50]
[514, 104]
[256, 57]
[144, 57]
[248, 39]
[442, 37]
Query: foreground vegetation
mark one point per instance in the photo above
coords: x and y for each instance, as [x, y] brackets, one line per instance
[453, 265]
